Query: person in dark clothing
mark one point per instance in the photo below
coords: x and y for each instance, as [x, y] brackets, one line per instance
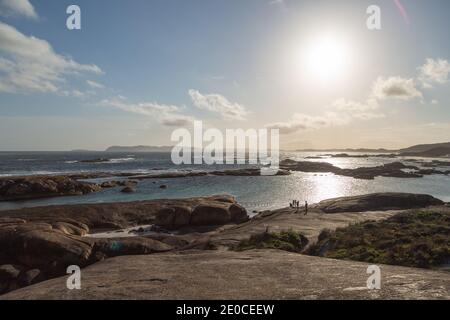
[306, 208]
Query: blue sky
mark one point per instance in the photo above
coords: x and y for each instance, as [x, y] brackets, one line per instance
[139, 69]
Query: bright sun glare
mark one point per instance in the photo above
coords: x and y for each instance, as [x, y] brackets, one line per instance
[325, 59]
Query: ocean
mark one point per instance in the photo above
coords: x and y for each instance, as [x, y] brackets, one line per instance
[255, 193]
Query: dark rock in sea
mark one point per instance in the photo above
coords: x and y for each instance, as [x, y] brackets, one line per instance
[395, 170]
[163, 186]
[435, 163]
[23, 188]
[346, 155]
[99, 160]
[128, 190]
[249, 172]
[377, 201]
[123, 183]
[109, 184]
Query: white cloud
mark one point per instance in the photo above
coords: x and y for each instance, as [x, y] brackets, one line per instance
[301, 122]
[395, 88]
[276, 2]
[434, 71]
[29, 64]
[219, 104]
[167, 115]
[350, 105]
[348, 111]
[176, 120]
[368, 115]
[94, 84]
[434, 101]
[17, 8]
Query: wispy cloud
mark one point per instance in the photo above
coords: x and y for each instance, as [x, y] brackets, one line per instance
[29, 64]
[343, 104]
[218, 104]
[94, 84]
[167, 115]
[17, 8]
[301, 122]
[276, 2]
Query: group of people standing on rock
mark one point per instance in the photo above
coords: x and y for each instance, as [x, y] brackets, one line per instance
[296, 205]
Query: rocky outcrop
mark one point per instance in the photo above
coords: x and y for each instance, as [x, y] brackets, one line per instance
[33, 251]
[23, 188]
[395, 170]
[33, 187]
[128, 190]
[443, 151]
[377, 201]
[99, 160]
[346, 155]
[114, 184]
[40, 243]
[228, 275]
[205, 214]
[247, 172]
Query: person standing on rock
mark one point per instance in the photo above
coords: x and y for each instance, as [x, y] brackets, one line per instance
[306, 208]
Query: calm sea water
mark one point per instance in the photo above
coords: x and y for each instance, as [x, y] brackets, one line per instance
[255, 193]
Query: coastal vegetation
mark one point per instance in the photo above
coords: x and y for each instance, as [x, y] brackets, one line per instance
[414, 238]
[286, 240]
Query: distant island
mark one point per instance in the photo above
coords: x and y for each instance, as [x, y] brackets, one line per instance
[421, 150]
[139, 149]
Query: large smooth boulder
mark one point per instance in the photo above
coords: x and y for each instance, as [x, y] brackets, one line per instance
[378, 201]
[213, 211]
[238, 213]
[38, 245]
[70, 229]
[209, 215]
[174, 217]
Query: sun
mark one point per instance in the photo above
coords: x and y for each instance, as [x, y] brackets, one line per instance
[325, 59]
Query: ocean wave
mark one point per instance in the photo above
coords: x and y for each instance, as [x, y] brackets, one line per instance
[120, 160]
[31, 173]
